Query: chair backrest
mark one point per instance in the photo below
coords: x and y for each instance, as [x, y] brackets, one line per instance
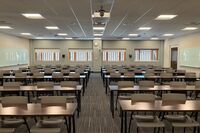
[11, 85]
[57, 75]
[45, 84]
[197, 84]
[166, 75]
[125, 84]
[142, 97]
[174, 97]
[20, 75]
[53, 99]
[68, 84]
[74, 74]
[129, 74]
[190, 75]
[176, 84]
[146, 83]
[149, 74]
[115, 74]
[14, 100]
[38, 75]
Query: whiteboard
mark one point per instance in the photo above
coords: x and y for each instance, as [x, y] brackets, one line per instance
[13, 56]
[190, 57]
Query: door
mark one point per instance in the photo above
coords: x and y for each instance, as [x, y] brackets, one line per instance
[174, 57]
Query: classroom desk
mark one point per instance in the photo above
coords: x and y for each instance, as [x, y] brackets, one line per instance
[38, 110]
[46, 78]
[76, 91]
[140, 77]
[157, 106]
[134, 89]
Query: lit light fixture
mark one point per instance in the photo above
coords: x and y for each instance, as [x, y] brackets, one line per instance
[33, 15]
[168, 34]
[98, 28]
[98, 34]
[144, 28]
[165, 17]
[154, 38]
[133, 35]
[190, 28]
[26, 34]
[68, 38]
[62, 34]
[39, 38]
[125, 38]
[52, 27]
[5, 27]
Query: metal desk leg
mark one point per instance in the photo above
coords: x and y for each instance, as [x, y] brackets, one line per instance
[69, 119]
[112, 103]
[78, 95]
[73, 122]
[125, 123]
[83, 86]
[25, 122]
[122, 120]
[106, 84]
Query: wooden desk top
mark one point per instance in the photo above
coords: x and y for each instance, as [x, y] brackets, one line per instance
[34, 88]
[158, 106]
[38, 110]
[155, 88]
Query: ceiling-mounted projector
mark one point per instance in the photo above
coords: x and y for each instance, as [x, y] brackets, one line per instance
[101, 14]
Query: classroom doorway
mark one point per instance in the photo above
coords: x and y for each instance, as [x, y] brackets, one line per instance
[174, 57]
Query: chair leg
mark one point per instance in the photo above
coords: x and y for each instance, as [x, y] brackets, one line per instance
[198, 129]
[184, 130]
[154, 130]
[137, 129]
[163, 129]
[172, 129]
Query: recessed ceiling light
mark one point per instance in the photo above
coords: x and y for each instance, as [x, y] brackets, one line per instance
[154, 38]
[39, 38]
[5, 27]
[52, 27]
[97, 38]
[190, 28]
[165, 17]
[62, 34]
[33, 15]
[134, 35]
[168, 34]
[125, 38]
[26, 34]
[68, 38]
[144, 28]
[98, 34]
[98, 28]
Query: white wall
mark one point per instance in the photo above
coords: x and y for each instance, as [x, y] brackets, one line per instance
[8, 41]
[187, 41]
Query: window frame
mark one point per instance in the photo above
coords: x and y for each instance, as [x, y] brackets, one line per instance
[89, 56]
[151, 49]
[119, 56]
[49, 53]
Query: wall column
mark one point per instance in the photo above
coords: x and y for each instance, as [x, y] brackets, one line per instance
[97, 55]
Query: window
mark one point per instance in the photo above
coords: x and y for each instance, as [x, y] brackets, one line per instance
[146, 54]
[47, 54]
[114, 55]
[80, 55]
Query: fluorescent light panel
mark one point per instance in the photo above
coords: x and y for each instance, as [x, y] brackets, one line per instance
[33, 16]
[52, 27]
[154, 38]
[98, 28]
[190, 28]
[5, 27]
[144, 28]
[125, 38]
[165, 17]
[97, 38]
[98, 34]
[62, 34]
[68, 38]
[133, 35]
[168, 34]
[26, 34]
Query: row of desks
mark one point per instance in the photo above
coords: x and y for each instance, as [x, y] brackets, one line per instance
[136, 89]
[157, 106]
[81, 78]
[56, 89]
[108, 78]
[34, 110]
